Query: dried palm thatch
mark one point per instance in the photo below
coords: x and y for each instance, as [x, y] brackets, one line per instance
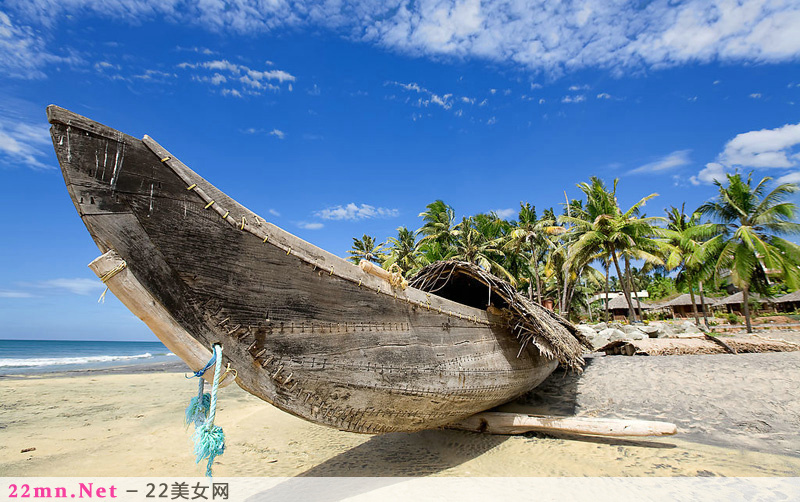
[694, 346]
[551, 334]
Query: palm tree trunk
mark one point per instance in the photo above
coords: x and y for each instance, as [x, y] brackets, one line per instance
[564, 304]
[538, 281]
[631, 285]
[703, 303]
[694, 305]
[608, 266]
[625, 291]
[746, 301]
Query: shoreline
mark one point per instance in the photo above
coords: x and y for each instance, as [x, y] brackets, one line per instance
[735, 413]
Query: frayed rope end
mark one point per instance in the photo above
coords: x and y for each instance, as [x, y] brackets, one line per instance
[209, 442]
[197, 411]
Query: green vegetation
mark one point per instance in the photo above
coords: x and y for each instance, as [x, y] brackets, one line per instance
[570, 257]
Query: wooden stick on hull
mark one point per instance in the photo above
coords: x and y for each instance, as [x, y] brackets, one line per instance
[518, 423]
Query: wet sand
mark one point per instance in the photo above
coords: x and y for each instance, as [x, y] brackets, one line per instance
[737, 416]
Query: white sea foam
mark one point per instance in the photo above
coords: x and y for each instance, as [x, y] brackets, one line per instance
[59, 361]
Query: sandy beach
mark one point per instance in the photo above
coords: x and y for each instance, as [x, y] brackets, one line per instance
[737, 416]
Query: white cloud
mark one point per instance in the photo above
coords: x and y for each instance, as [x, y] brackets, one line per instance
[580, 98]
[674, 160]
[444, 100]
[24, 144]
[789, 178]
[756, 95]
[505, 213]
[777, 148]
[277, 133]
[249, 81]
[574, 88]
[353, 211]
[15, 294]
[604, 95]
[23, 53]
[764, 148]
[273, 212]
[76, 286]
[712, 171]
[491, 121]
[542, 101]
[310, 225]
[538, 35]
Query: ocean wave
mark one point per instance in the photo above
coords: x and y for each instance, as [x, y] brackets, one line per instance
[58, 361]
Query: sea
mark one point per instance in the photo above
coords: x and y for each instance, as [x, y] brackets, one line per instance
[46, 356]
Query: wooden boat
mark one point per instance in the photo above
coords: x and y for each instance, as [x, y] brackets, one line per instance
[304, 330]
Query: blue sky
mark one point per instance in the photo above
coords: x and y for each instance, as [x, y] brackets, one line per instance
[335, 119]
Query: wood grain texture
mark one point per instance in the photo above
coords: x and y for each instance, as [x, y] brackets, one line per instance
[494, 422]
[305, 330]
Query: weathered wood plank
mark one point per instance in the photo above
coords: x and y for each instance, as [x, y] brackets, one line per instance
[396, 359]
[519, 423]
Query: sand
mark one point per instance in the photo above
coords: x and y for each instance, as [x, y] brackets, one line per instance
[737, 416]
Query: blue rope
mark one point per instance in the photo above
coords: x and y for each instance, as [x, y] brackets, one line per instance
[209, 364]
[197, 411]
[209, 440]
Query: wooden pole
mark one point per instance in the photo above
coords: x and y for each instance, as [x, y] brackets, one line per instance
[518, 423]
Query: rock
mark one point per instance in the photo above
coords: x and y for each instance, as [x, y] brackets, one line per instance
[613, 335]
[598, 341]
[665, 331]
[587, 331]
[689, 327]
[615, 325]
[651, 330]
[600, 326]
[637, 335]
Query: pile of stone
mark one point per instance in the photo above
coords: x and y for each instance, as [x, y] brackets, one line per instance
[602, 333]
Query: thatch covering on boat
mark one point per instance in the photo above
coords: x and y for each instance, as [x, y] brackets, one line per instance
[463, 282]
[694, 346]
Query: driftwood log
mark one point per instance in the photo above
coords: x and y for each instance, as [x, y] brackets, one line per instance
[697, 345]
[518, 423]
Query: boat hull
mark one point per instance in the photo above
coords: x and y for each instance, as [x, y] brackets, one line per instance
[304, 330]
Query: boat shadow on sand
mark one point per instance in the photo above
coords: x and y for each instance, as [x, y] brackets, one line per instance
[389, 459]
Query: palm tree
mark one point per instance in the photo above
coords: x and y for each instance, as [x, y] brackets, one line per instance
[530, 236]
[602, 228]
[473, 247]
[753, 220]
[402, 251]
[691, 248]
[365, 248]
[439, 219]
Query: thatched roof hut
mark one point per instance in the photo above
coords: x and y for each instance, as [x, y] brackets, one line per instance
[554, 336]
[682, 305]
[789, 301]
[738, 298]
[685, 300]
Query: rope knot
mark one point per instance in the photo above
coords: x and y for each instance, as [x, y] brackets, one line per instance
[396, 278]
